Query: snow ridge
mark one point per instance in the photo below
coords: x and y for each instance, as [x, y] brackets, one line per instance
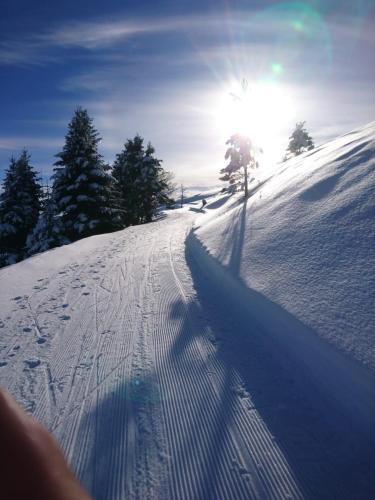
[305, 240]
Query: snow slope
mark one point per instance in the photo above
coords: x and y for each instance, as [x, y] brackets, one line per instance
[106, 343]
[145, 358]
[305, 241]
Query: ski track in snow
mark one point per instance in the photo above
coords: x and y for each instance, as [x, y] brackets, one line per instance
[156, 389]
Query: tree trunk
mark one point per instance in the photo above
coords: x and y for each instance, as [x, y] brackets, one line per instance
[246, 188]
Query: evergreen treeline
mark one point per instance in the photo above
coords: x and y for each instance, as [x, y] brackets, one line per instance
[142, 182]
[87, 196]
[20, 204]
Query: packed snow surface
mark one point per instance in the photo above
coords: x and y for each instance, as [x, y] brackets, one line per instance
[167, 371]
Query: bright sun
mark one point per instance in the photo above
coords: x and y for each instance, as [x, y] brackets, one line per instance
[259, 111]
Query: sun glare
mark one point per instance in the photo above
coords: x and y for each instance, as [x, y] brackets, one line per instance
[259, 111]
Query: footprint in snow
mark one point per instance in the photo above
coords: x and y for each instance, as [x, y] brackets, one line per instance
[26, 329]
[41, 340]
[3, 363]
[64, 317]
[32, 363]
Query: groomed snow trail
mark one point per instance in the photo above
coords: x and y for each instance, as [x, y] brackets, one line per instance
[157, 389]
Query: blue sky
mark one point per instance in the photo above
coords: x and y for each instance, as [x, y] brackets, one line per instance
[163, 69]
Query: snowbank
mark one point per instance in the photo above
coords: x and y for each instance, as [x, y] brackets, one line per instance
[305, 240]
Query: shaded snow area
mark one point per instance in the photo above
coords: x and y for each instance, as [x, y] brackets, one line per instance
[217, 355]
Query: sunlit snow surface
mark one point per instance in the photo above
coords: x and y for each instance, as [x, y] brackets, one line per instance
[218, 355]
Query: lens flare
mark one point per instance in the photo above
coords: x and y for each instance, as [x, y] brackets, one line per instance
[277, 69]
[259, 112]
[301, 41]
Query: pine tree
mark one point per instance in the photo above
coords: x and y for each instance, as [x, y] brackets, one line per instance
[241, 155]
[82, 184]
[152, 184]
[142, 181]
[115, 200]
[19, 208]
[167, 196]
[48, 232]
[300, 141]
[233, 175]
[126, 170]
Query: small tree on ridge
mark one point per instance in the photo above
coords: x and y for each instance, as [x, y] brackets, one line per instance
[300, 140]
[241, 155]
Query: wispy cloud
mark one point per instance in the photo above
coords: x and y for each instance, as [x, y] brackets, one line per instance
[25, 53]
[15, 143]
[36, 48]
[91, 81]
[39, 49]
[104, 34]
[101, 34]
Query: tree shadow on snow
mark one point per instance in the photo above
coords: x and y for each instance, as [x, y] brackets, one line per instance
[233, 245]
[220, 374]
[346, 164]
[237, 240]
[115, 442]
[328, 452]
[220, 202]
[202, 436]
